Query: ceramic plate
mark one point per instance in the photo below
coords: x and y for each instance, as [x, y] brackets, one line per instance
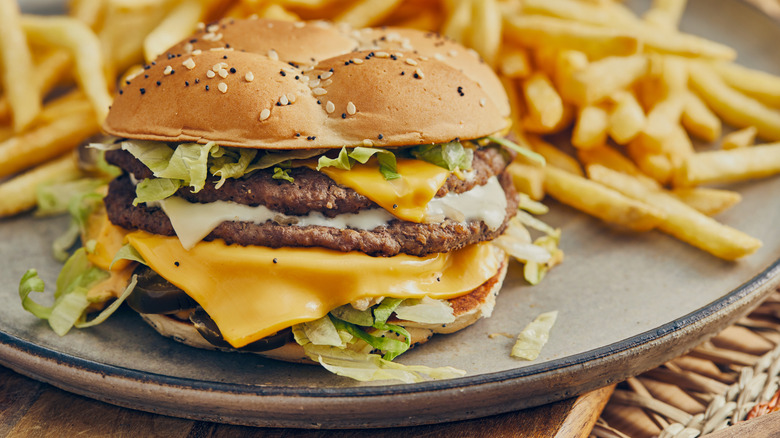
[627, 302]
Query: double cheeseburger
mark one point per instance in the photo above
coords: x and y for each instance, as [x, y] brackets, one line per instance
[303, 190]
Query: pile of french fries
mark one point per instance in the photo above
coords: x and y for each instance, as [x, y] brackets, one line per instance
[623, 95]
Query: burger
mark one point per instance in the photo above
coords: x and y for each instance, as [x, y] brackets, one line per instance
[308, 192]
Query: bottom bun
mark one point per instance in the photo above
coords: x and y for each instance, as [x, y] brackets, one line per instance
[467, 310]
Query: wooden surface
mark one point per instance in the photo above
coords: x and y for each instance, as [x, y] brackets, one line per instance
[31, 409]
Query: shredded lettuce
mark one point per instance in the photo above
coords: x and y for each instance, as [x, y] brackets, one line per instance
[533, 337]
[531, 206]
[451, 156]
[425, 310]
[371, 367]
[155, 189]
[80, 204]
[354, 316]
[281, 173]
[527, 153]
[70, 296]
[230, 163]
[344, 161]
[127, 252]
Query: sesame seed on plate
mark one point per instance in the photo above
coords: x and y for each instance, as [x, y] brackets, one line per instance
[265, 114]
[222, 87]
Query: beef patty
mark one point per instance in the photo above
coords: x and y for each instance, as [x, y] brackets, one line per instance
[310, 190]
[395, 238]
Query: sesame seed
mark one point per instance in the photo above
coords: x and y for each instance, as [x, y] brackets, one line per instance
[201, 25]
[330, 107]
[326, 83]
[403, 73]
[398, 55]
[284, 100]
[351, 110]
[212, 28]
[186, 83]
[219, 66]
[121, 92]
[382, 55]
[189, 63]
[232, 69]
[482, 102]
[319, 91]
[368, 142]
[380, 136]
[357, 61]
[264, 114]
[210, 74]
[249, 77]
[197, 80]
[410, 61]
[343, 115]
[326, 75]
[453, 53]
[207, 88]
[197, 52]
[222, 87]
[314, 83]
[273, 55]
[143, 90]
[438, 57]
[291, 97]
[223, 73]
[159, 83]
[418, 74]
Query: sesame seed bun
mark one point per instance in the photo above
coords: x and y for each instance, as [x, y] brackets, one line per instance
[467, 309]
[311, 85]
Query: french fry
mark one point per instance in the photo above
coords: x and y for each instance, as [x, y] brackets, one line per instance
[600, 201]
[18, 194]
[49, 71]
[654, 165]
[527, 179]
[590, 131]
[609, 14]
[485, 35]
[514, 63]
[665, 14]
[81, 42]
[731, 105]
[366, 13]
[176, 26]
[18, 78]
[706, 200]
[729, 165]
[597, 42]
[515, 104]
[48, 140]
[278, 12]
[682, 44]
[554, 156]
[664, 117]
[682, 221]
[458, 20]
[567, 64]
[602, 78]
[763, 86]
[699, 120]
[89, 12]
[611, 158]
[627, 118]
[739, 139]
[542, 101]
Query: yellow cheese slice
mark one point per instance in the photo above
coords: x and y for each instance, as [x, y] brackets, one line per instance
[406, 197]
[109, 239]
[252, 292]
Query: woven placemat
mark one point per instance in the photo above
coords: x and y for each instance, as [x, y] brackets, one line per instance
[733, 377]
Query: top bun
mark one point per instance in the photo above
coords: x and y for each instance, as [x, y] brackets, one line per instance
[282, 85]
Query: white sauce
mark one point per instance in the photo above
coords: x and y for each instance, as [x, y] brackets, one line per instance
[192, 221]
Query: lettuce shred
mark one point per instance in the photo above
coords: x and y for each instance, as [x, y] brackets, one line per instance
[533, 337]
[451, 156]
[346, 341]
[347, 158]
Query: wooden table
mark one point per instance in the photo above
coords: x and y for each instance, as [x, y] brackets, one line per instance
[30, 409]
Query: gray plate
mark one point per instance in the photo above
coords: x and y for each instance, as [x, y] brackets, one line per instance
[627, 303]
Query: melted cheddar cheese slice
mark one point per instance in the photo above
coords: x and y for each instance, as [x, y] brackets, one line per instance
[406, 197]
[252, 292]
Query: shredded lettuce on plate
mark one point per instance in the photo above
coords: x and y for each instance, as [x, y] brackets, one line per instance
[533, 337]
